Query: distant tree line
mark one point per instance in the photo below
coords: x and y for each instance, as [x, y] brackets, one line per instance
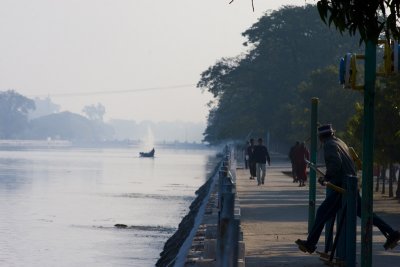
[41, 119]
[15, 123]
[14, 109]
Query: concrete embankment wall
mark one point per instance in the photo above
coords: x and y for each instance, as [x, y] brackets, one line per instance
[210, 235]
[177, 246]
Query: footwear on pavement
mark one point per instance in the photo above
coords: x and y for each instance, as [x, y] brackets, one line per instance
[392, 240]
[305, 247]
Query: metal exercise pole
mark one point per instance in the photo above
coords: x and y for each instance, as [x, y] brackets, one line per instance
[341, 222]
[351, 219]
[368, 150]
[313, 158]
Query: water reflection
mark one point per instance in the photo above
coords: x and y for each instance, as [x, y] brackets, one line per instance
[13, 173]
[59, 206]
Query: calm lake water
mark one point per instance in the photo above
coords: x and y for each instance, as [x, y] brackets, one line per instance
[58, 207]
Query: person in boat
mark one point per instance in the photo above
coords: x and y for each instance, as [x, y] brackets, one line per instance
[148, 154]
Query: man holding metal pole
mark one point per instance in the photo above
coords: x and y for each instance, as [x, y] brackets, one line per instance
[339, 165]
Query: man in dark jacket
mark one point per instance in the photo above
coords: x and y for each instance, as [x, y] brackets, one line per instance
[261, 156]
[339, 165]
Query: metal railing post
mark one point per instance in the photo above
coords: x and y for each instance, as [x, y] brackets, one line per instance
[223, 173]
[225, 248]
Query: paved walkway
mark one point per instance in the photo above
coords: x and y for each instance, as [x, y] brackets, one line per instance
[275, 214]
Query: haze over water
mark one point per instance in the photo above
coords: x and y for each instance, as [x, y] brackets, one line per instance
[58, 207]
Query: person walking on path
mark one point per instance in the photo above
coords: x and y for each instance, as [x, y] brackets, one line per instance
[261, 156]
[292, 153]
[252, 163]
[301, 154]
[339, 164]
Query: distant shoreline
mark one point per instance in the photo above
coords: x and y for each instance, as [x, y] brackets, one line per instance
[21, 143]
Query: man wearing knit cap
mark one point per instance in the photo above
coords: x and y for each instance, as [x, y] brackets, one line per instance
[339, 165]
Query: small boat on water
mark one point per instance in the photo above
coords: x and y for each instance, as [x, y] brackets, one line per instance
[147, 154]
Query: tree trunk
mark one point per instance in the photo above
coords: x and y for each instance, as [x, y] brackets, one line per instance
[377, 179]
[383, 180]
[392, 174]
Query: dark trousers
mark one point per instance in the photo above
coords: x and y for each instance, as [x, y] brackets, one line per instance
[301, 172]
[252, 167]
[294, 171]
[328, 209]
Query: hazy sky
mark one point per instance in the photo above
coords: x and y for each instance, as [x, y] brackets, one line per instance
[60, 47]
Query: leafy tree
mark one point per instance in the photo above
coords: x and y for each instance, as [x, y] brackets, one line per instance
[44, 106]
[354, 128]
[387, 112]
[14, 109]
[95, 112]
[387, 118]
[336, 105]
[368, 17]
[258, 90]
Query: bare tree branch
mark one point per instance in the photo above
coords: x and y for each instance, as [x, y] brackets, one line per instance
[252, 3]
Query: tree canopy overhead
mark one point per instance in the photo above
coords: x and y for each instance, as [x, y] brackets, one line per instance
[369, 18]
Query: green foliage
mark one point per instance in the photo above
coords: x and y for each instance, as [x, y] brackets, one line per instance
[258, 91]
[354, 128]
[336, 105]
[387, 122]
[367, 17]
[14, 109]
[94, 112]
